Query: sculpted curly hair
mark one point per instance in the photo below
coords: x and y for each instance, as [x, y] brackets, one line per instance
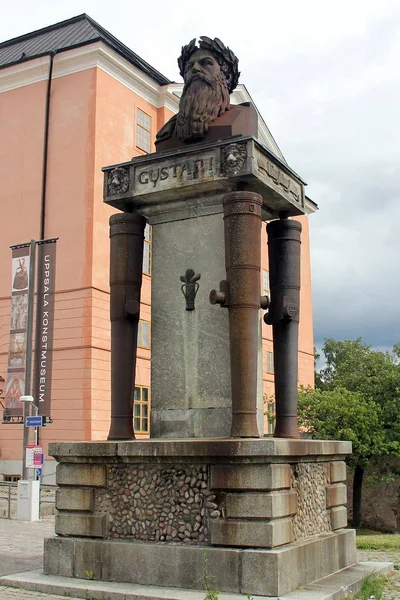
[225, 57]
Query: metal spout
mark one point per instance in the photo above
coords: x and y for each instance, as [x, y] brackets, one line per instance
[240, 293]
[284, 239]
[126, 257]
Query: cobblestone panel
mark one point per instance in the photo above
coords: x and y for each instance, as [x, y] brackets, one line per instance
[310, 482]
[156, 503]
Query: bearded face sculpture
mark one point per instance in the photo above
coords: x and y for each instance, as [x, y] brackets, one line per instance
[210, 72]
[205, 96]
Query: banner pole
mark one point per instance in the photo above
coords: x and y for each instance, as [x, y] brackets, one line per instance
[28, 367]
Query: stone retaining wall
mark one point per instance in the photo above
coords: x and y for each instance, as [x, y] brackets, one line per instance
[380, 505]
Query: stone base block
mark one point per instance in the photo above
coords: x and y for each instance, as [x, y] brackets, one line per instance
[191, 423]
[259, 534]
[338, 517]
[247, 571]
[255, 505]
[80, 524]
[260, 513]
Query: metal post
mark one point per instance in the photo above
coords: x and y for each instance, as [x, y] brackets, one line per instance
[241, 295]
[284, 239]
[35, 429]
[9, 501]
[28, 363]
[126, 258]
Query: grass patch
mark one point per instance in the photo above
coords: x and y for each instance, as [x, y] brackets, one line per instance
[371, 540]
[372, 587]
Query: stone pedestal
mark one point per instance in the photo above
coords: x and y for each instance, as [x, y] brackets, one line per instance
[267, 515]
[180, 193]
[190, 375]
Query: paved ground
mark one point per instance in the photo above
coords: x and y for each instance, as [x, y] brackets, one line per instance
[8, 593]
[392, 589]
[21, 549]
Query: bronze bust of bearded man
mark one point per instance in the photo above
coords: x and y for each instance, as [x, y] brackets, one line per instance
[210, 73]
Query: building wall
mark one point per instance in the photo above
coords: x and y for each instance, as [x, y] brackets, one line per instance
[69, 201]
[21, 125]
[384, 514]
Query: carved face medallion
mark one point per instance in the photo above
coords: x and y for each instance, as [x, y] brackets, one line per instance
[118, 181]
[233, 157]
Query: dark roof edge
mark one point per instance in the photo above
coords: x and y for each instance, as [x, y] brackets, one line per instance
[32, 34]
[104, 36]
[129, 54]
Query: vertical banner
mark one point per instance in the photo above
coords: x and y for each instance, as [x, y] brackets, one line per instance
[20, 288]
[46, 265]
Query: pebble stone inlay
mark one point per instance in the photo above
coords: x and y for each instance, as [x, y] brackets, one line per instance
[312, 518]
[154, 503]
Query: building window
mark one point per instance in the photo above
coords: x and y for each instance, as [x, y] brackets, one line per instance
[143, 131]
[147, 250]
[143, 339]
[141, 408]
[11, 478]
[266, 288]
[270, 362]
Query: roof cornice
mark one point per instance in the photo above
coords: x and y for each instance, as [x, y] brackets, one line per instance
[85, 57]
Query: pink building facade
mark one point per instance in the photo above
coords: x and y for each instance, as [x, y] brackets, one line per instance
[105, 106]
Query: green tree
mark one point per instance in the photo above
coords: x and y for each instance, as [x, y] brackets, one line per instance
[317, 375]
[358, 399]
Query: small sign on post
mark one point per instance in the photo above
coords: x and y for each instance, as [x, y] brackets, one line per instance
[34, 421]
[34, 456]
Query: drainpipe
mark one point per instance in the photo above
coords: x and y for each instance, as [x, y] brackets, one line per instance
[44, 178]
[46, 148]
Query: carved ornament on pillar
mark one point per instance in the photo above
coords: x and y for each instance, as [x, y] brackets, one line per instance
[190, 287]
[233, 158]
[118, 181]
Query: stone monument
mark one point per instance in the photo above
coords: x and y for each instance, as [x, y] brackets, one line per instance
[269, 512]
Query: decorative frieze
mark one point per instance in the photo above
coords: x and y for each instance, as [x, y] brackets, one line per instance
[205, 168]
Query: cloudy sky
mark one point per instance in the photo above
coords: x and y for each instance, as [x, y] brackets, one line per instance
[326, 77]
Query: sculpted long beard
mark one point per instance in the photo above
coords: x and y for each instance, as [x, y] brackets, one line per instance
[203, 100]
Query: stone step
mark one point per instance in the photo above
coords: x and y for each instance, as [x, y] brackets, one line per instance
[336, 586]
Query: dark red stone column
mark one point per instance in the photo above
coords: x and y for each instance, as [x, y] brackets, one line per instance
[126, 257]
